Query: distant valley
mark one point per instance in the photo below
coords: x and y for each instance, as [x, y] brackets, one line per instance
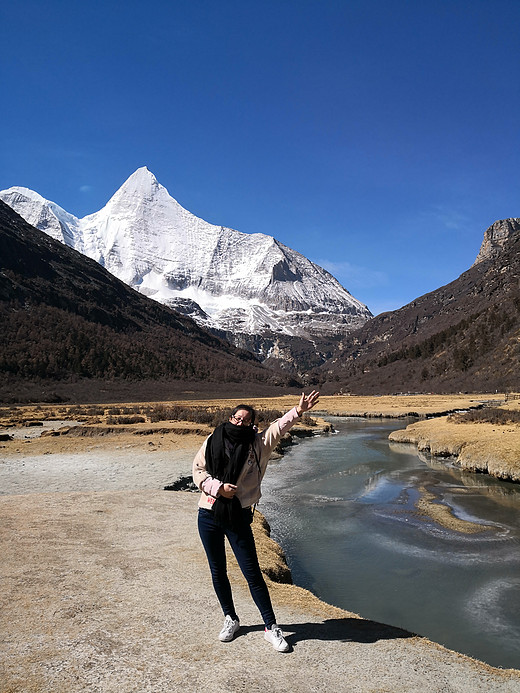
[264, 314]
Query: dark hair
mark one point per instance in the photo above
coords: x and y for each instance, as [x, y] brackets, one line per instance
[247, 408]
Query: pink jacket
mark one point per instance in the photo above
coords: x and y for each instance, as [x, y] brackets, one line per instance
[248, 483]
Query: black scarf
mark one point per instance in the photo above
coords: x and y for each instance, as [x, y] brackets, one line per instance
[227, 468]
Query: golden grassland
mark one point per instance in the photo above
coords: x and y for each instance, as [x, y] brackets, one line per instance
[341, 405]
[356, 405]
[477, 447]
[486, 447]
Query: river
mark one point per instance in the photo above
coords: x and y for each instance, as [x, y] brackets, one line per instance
[354, 514]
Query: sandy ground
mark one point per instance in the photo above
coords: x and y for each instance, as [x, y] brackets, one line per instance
[104, 584]
[110, 591]
[115, 462]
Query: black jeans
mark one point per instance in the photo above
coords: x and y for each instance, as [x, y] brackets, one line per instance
[243, 545]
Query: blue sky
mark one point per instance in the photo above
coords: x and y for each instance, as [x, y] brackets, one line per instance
[380, 138]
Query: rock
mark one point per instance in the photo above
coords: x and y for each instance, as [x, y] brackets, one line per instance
[496, 238]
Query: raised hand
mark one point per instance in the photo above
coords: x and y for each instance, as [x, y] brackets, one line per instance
[307, 402]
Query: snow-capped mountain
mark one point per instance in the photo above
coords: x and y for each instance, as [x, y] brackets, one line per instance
[226, 280]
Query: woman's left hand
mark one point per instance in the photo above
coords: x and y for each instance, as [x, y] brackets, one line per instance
[307, 402]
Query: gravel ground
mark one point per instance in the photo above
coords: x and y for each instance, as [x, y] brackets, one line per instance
[110, 591]
[117, 470]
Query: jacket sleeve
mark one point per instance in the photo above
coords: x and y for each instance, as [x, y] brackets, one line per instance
[202, 480]
[288, 420]
[276, 430]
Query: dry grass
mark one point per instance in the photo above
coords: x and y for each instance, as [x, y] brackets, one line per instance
[178, 424]
[482, 447]
[387, 405]
[82, 428]
[404, 405]
[494, 415]
[204, 410]
[428, 505]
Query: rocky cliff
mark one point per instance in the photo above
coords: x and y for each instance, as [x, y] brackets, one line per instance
[496, 238]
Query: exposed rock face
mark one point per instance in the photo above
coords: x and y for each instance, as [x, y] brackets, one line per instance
[496, 238]
[464, 336]
[224, 279]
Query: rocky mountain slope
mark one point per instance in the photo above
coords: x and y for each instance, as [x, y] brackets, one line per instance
[496, 238]
[249, 287]
[64, 316]
[463, 336]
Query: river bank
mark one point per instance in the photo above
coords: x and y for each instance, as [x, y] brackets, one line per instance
[490, 448]
[401, 537]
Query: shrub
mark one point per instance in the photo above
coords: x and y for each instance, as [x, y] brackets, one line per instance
[179, 413]
[125, 420]
[204, 415]
[492, 415]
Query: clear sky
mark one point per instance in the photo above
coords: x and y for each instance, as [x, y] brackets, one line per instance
[380, 138]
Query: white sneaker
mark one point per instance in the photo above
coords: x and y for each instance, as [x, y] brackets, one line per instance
[274, 635]
[229, 629]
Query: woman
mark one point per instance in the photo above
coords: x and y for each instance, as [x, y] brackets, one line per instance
[228, 469]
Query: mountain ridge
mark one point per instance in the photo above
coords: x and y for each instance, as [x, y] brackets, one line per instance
[64, 316]
[232, 282]
[463, 336]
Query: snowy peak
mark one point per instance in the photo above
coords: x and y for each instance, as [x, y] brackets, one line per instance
[143, 189]
[232, 281]
[44, 215]
[142, 183]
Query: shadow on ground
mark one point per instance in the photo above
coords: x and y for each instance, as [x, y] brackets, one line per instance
[340, 629]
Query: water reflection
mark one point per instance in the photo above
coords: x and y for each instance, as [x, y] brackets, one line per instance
[400, 538]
